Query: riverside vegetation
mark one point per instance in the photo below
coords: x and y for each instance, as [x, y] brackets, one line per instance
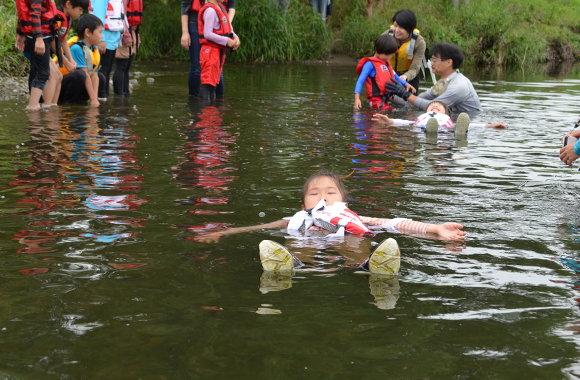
[491, 32]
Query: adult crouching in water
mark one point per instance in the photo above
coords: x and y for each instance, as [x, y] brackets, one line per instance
[454, 89]
[411, 47]
[190, 41]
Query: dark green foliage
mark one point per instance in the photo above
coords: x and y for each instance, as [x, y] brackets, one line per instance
[161, 31]
[12, 62]
[266, 34]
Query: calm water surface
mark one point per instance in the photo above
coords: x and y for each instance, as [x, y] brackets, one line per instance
[101, 276]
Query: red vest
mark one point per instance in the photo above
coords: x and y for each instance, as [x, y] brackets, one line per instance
[384, 73]
[225, 28]
[196, 5]
[64, 25]
[135, 12]
[47, 19]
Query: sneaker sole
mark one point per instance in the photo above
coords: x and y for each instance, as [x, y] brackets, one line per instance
[275, 257]
[462, 124]
[386, 259]
[432, 126]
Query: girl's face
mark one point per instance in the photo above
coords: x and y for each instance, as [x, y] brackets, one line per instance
[400, 33]
[322, 187]
[436, 107]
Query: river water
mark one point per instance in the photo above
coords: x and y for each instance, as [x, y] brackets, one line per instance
[101, 275]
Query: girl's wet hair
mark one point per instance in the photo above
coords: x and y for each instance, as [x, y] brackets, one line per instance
[326, 173]
[386, 44]
[447, 110]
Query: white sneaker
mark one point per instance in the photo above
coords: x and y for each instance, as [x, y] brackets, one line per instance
[275, 257]
[386, 258]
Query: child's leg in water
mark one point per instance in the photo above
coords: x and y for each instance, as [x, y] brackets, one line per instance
[207, 92]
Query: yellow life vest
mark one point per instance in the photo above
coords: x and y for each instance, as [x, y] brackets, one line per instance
[93, 57]
[403, 58]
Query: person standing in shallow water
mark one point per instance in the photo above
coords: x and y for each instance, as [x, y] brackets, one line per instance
[190, 41]
[410, 47]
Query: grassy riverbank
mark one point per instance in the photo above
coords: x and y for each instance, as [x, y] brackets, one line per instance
[492, 33]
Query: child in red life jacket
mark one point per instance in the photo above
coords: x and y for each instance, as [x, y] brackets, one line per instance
[215, 36]
[324, 210]
[35, 30]
[190, 41]
[68, 11]
[375, 72]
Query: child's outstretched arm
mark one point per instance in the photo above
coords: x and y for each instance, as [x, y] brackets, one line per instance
[215, 236]
[445, 231]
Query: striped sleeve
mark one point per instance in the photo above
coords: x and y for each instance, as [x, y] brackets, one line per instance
[35, 17]
[400, 225]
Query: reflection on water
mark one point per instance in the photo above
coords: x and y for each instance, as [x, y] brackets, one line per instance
[101, 273]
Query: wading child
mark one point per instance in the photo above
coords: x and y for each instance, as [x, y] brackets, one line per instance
[85, 83]
[112, 16]
[127, 49]
[324, 210]
[437, 118]
[374, 72]
[215, 36]
[69, 10]
[35, 30]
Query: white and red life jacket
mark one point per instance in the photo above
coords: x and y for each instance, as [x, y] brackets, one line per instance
[135, 12]
[225, 28]
[384, 73]
[114, 17]
[336, 218]
[443, 119]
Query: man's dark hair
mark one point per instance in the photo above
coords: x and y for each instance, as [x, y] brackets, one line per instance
[386, 44]
[76, 3]
[406, 19]
[446, 50]
[90, 22]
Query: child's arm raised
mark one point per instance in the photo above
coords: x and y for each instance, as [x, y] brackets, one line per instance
[445, 231]
[214, 236]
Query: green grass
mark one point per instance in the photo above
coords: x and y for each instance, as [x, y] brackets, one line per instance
[12, 62]
[491, 32]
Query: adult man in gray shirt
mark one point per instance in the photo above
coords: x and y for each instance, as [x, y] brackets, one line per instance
[454, 89]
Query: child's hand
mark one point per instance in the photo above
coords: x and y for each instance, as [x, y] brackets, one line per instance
[231, 43]
[19, 44]
[357, 104]
[39, 47]
[383, 119]
[236, 43]
[212, 237]
[410, 88]
[567, 154]
[573, 133]
[102, 47]
[70, 66]
[450, 231]
[496, 126]
[185, 40]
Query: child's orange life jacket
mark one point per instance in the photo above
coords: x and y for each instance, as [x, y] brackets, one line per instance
[224, 30]
[375, 86]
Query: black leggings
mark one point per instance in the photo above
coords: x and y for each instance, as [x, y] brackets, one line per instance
[121, 77]
[73, 90]
[207, 92]
[106, 67]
